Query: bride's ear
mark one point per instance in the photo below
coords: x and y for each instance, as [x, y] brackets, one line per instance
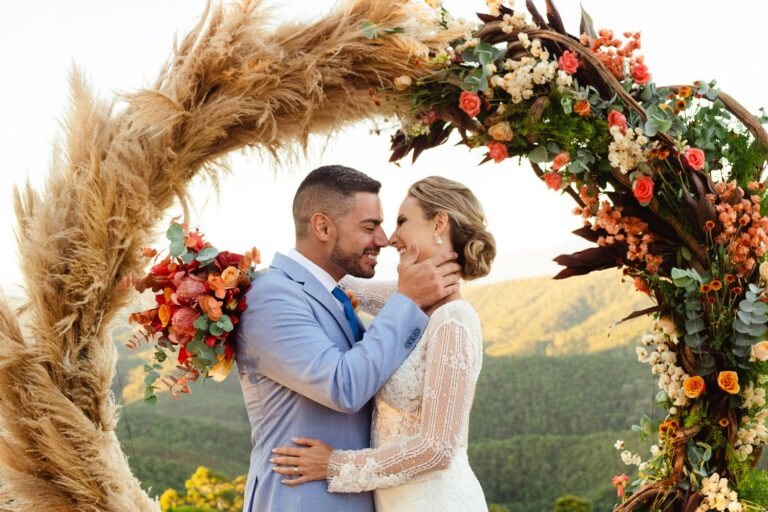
[441, 224]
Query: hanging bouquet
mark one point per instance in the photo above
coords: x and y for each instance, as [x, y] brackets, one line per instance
[199, 296]
[668, 183]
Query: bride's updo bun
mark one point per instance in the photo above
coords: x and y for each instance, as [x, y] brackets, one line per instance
[475, 246]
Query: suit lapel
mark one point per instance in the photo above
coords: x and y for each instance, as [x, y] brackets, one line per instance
[314, 289]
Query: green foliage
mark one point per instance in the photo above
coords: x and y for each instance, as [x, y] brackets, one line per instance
[495, 507]
[570, 503]
[753, 487]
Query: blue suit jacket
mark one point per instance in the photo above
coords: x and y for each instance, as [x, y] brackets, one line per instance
[302, 374]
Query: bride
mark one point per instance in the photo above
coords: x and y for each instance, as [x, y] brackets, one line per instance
[418, 460]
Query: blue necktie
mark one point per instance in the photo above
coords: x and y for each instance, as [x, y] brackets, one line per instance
[349, 312]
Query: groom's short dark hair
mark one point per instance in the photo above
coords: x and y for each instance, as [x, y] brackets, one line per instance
[329, 189]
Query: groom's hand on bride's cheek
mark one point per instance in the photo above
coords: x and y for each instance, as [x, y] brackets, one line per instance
[428, 281]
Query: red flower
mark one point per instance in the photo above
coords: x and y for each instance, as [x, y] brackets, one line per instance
[640, 74]
[643, 190]
[553, 180]
[162, 268]
[470, 103]
[211, 340]
[497, 151]
[642, 286]
[582, 108]
[183, 354]
[616, 118]
[694, 157]
[568, 62]
[560, 161]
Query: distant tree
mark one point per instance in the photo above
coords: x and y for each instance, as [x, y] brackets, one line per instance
[206, 492]
[495, 507]
[571, 503]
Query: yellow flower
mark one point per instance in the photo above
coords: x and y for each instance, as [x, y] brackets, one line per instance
[501, 131]
[729, 382]
[221, 369]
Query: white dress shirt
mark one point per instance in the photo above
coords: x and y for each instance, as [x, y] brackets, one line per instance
[321, 275]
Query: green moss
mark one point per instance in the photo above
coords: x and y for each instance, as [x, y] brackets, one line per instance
[753, 487]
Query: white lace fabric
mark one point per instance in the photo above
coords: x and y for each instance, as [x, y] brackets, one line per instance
[421, 418]
[371, 294]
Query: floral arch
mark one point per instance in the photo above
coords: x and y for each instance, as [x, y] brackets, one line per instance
[668, 181]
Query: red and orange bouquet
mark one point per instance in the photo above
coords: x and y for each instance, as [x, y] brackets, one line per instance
[199, 296]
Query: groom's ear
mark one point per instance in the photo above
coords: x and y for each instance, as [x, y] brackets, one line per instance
[322, 227]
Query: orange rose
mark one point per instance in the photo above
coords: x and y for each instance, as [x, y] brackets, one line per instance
[561, 160]
[694, 387]
[729, 382]
[497, 151]
[211, 307]
[582, 108]
[230, 277]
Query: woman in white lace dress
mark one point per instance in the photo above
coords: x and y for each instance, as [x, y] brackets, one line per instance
[418, 460]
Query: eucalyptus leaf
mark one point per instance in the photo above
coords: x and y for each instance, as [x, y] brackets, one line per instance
[178, 248]
[201, 323]
[215, 329]
[175, 233]
[538, 155]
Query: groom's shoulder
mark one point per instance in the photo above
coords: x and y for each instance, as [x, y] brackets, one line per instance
[270, 281]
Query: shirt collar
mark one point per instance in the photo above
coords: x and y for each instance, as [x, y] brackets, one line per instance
[321, 275]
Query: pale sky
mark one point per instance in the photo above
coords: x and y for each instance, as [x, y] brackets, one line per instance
[121, 46]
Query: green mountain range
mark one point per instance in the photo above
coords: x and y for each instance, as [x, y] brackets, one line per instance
[555, 393]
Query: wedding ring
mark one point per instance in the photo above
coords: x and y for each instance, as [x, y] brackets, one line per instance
[295, 469]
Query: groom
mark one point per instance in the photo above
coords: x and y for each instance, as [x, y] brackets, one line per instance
[307, 366]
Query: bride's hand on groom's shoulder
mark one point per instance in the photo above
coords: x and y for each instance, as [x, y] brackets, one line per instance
[302, 465]
[426, 282]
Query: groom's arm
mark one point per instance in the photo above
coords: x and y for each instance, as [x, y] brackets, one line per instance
[284, 340]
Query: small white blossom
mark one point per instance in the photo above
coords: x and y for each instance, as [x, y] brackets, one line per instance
[619, 445]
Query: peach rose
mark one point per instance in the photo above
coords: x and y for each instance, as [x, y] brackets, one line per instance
[640, 74]
[694, 157]
[582, 107]
[568, 62]
[403, 82]
[560, 161]
[667, 325]
[729, 382]
[764, 271]
[501, 131]
[497, 151]
[694, 387]
[643, 190]
[760, 351]
[470, 103]
[230, 277]
[553, 180]
[211, 307]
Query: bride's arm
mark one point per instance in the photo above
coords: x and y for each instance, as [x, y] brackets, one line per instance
[452, 363]
[371, 294]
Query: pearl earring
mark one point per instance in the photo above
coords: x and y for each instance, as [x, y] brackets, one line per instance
[438, 239]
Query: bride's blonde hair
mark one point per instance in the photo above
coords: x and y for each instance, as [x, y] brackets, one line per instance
[475, 246]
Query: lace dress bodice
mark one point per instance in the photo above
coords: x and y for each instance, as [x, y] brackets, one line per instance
[421, 414]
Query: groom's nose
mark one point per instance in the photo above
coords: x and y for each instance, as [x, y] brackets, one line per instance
[380, 237]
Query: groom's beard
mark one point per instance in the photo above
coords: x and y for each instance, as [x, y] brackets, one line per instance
[353, 263]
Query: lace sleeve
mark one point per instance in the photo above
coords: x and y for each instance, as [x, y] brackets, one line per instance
[371, 294]
[452, 364]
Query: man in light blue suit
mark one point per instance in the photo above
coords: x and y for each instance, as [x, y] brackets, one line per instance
[307, 366]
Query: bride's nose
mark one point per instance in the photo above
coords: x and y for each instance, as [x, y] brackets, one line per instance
[393, 239]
